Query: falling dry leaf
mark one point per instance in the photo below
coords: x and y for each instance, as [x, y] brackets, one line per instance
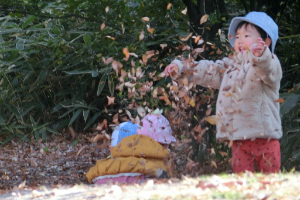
[192, 102]
[280, 100]
[219, 31]
[141, 37]
[144, 58]
[184, 11]
[169, 6]
[120, 87]
[204, 19]
[116, 119]
[126, 52]
[223, 153]
[186, 37]
[150, 30]
[110, 100]
[146, 19]
[213, 119]
[214, 163]
[163, 46]
[110, 37]
[197, 38]
[102, 26]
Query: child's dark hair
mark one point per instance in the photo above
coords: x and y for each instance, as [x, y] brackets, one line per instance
[262, 33]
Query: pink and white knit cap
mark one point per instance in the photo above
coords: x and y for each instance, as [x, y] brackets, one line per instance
[157, 127]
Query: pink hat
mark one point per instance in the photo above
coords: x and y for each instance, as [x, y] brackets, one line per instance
[157, 127]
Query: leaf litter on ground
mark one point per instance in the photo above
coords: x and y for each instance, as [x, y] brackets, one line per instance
[57, 169]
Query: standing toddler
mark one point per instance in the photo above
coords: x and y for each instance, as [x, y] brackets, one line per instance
[248, 84]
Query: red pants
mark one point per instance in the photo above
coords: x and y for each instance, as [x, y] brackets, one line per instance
[266, 155]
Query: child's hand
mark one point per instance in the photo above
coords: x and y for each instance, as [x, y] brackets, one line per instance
[171, 69]
[259, 48]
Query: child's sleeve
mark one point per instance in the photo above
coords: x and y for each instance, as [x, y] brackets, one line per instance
[268, 66]
[206, 73]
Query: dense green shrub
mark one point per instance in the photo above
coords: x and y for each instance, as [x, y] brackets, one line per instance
[57, 69]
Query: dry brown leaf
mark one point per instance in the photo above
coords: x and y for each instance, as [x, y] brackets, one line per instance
[163, 46]
[184, 11]
[213, 119]
[112, 38]
[230, 110]
[169, 6]
[197, 38]
[280, 100]
[102, 26]
[208, 111]
[230, 143]
[185, 81]
[72, 132]
[139, 73]
[116, 119]
[186, 37]
[223, 153]
[142, 35]
[146, 19]
[33, 163]
[214, 163]
[204, 19]
[108, 60]
[120, 87]
[81, 149]
[126, 52]
[110, 100]
[150, 30]
[192, 102]
[144, 58]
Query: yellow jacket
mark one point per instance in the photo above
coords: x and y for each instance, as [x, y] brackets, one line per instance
[134, 154]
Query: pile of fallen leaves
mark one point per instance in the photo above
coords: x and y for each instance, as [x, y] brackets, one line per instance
[64, 160]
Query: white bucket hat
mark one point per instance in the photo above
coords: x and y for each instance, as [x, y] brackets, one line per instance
[261, 20]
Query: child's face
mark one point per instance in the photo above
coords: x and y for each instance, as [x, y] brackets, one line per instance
[245, 37]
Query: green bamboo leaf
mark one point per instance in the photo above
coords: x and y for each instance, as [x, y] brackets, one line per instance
[101, 84]
[20, 44]
[74, 143]
[36, 135]
[92, 120]
[87, 39]
[8, 139]
[32, 122]
[52, 131]
[2, 121]
[69, 111]
[26, 111]
[111, 86]
[74, 117]
[85, 114]
[44, 135]
[13, 110]
[288, 104]
[75, 72]
[22, 137]
[42, 76]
